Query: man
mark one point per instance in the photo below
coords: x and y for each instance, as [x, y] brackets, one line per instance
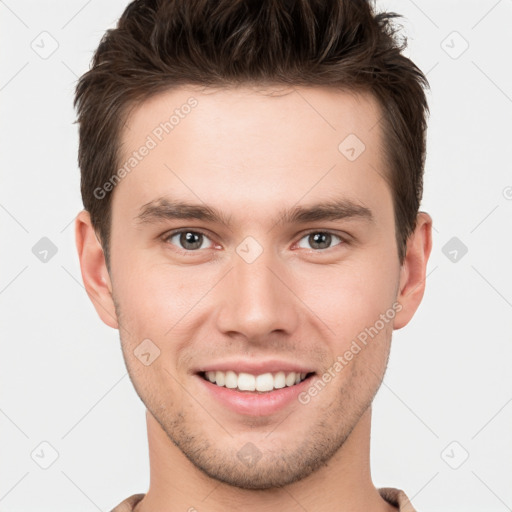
[251, 177]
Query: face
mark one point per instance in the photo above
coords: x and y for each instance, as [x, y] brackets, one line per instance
[255, 274]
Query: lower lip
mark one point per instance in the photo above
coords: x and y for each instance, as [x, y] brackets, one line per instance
[254, 403]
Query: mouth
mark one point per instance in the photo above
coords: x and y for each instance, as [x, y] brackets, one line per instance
[263, 383]
[258, 388]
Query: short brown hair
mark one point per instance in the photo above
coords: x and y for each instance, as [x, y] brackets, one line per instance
[161, 44]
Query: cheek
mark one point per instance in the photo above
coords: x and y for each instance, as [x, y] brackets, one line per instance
[351, 296]
[153, 297]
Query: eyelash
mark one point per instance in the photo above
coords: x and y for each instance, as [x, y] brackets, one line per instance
[189, 252]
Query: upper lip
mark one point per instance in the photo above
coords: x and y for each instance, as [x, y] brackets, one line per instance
[255, 367]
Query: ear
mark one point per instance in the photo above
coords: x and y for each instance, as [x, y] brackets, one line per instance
[414, 269]
[94, 269]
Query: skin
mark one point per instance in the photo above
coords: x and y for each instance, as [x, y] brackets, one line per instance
[251, 153]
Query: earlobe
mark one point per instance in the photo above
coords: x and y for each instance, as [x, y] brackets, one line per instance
[94, 269]
[414, 269]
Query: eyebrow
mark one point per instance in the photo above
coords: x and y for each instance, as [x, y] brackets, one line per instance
[163, 209]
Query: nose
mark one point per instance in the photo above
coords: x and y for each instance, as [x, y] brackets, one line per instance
[258, 299]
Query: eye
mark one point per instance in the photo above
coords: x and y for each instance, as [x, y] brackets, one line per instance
[187, 240]
[319, 240]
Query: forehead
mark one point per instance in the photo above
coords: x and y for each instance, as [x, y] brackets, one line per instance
[252, 146]
[325, 113]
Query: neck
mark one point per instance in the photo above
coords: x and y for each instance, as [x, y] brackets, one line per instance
[344, 484]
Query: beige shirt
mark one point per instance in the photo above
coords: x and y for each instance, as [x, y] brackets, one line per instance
[394, 496]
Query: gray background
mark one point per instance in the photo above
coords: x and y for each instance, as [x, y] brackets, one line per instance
[447, 394]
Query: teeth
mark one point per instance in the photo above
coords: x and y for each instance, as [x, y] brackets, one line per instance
[265, 382]
[280, 380]
[220, 378]
[290, 379]
[231, 380]
[248, 382]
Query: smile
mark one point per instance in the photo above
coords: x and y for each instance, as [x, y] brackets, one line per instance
[262, 383]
